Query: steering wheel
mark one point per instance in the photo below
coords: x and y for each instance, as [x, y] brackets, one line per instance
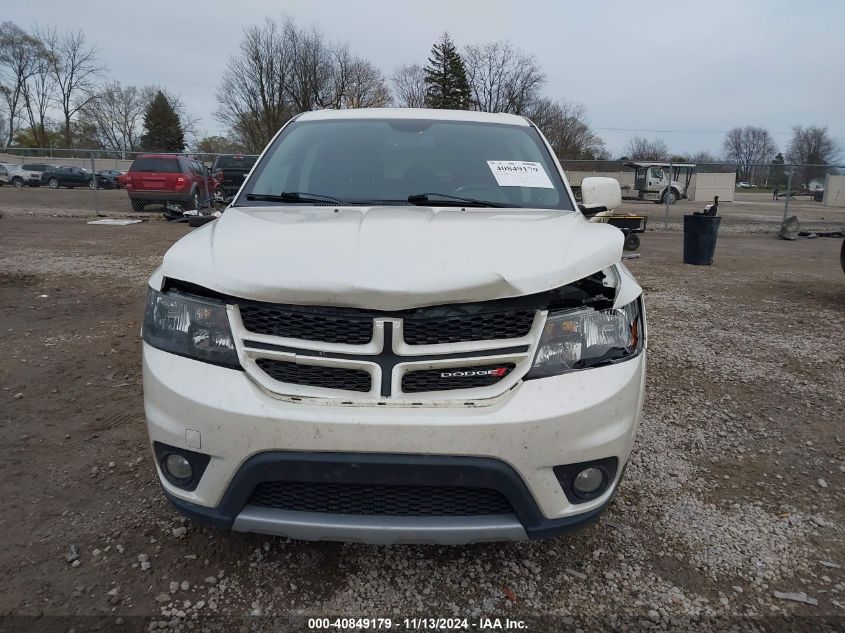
[481, 192]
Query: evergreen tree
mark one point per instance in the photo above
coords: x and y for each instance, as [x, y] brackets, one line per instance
[446, 77]
[162, 129]
[776, 175]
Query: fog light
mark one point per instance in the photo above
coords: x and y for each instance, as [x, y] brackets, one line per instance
[177, 467]
[588, 481]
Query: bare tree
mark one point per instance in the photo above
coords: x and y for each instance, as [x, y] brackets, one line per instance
[565, 126]
[117, 112]
[39, 91]
[703, 157]
[19, 59]
[348, 81]
[365, 86]
[316, 70]
[812, 145]
[282, 69]
[74, 67]
[252, 99]
[747, 147]
[218, 145]
[409, 86]
[502, 78]
[639, 148]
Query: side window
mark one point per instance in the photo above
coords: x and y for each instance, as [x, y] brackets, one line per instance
[657, 173]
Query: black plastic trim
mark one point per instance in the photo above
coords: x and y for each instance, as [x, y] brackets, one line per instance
[566, 476]
[198, 462]
[376, 468]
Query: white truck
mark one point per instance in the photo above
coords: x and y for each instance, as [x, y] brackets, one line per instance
[659, 181]
[402, 329]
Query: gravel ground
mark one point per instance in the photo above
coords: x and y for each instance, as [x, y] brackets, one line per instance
[732, 506]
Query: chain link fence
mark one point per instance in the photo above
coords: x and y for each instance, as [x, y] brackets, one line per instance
[73, 182]
[756, 197]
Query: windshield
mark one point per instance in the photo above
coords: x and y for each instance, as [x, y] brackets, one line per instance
[386, 161]
[235, 162]
[161, 164]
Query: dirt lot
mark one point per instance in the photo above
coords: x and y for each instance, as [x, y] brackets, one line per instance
[735, 490]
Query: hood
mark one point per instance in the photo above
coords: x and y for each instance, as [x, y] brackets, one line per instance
[390, 258]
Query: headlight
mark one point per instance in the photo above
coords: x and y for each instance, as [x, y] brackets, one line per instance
[190, 326]
[583, 338]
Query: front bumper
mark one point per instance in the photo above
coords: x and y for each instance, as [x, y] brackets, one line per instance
[520, 438]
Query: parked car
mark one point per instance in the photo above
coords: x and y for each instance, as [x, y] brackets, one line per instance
[28, 174]
[230, 171]
[743, 185]
[110, 178]
[169, 179]
[402, 329]
[70, 177]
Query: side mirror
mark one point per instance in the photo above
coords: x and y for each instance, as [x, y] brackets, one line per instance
[600, 194]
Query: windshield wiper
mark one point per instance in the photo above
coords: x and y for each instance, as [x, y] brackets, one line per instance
[292, 196]
[445, 199]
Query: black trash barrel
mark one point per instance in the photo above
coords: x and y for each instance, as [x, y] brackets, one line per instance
[700, 238]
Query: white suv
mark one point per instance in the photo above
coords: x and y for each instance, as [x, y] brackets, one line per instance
[28, 174]
[402, 330]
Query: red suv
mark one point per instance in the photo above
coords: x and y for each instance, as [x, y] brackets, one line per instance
[167, 178]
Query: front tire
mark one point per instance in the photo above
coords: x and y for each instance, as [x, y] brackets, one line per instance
[670, 196]
[18, 182]
[54, 183]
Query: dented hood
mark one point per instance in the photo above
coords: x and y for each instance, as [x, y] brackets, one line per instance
[390, 258]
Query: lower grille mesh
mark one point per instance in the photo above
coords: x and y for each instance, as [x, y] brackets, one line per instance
[379, 500]
[316, 376]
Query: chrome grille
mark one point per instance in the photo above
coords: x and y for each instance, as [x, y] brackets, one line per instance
[389, 357]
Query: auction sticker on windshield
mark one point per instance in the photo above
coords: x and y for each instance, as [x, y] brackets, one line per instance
[520, 173]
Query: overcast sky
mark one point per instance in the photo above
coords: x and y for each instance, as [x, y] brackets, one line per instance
[682, 71]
